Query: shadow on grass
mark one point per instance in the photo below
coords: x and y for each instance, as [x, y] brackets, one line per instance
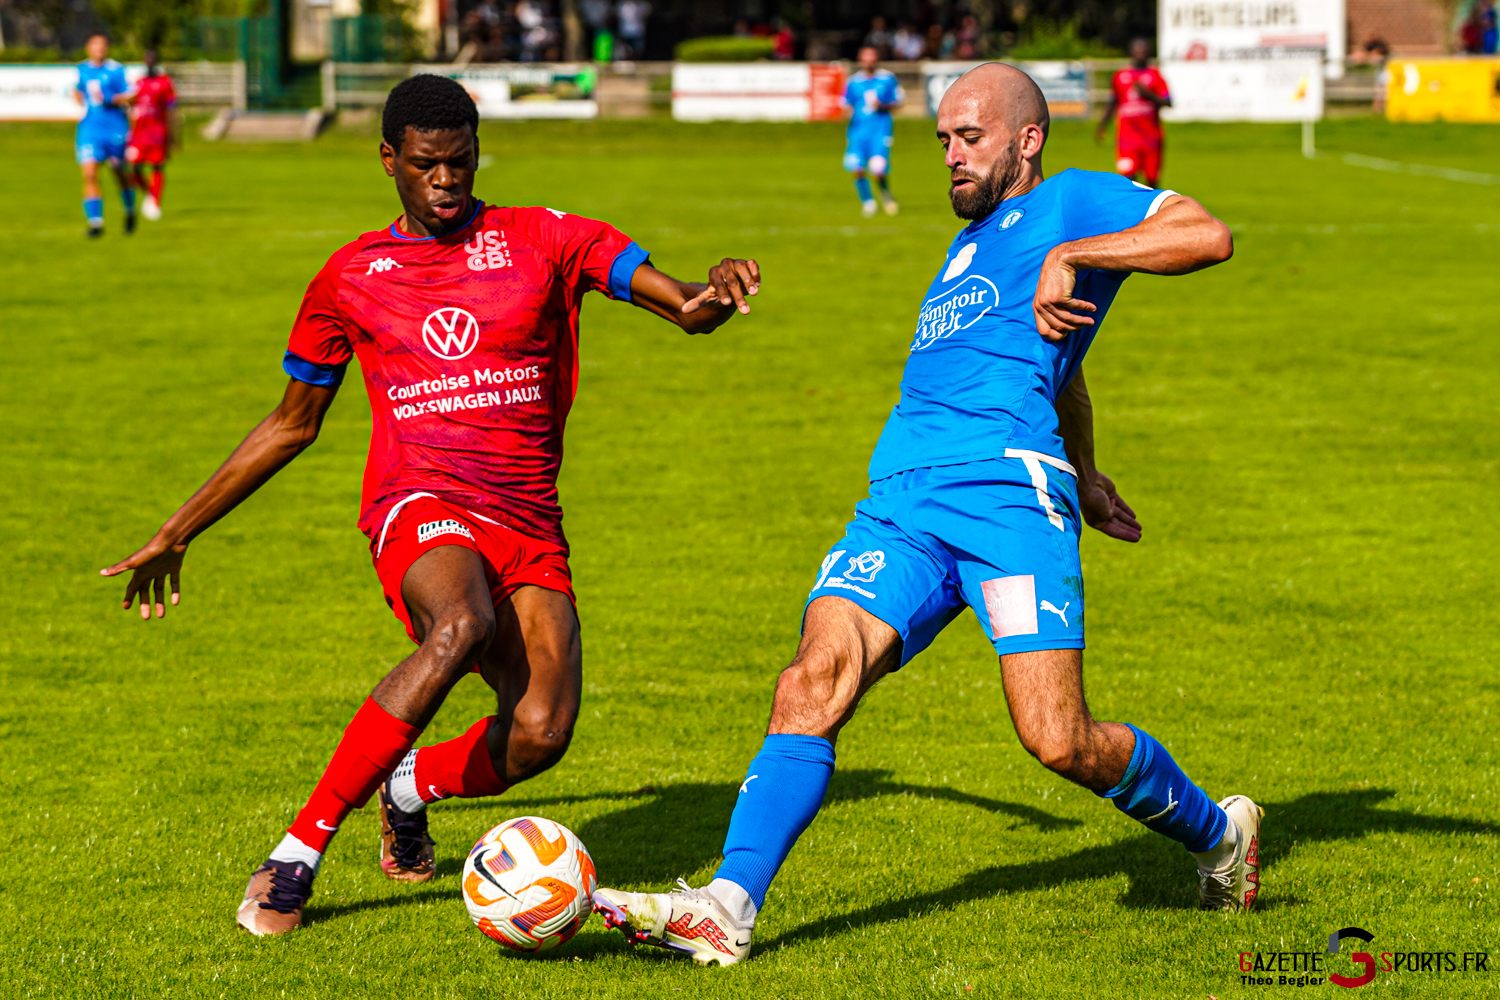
[1160, 876]
[678, 829]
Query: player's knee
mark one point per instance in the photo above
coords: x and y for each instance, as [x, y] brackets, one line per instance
[460, 637]
[1058, 752]
[539, 740]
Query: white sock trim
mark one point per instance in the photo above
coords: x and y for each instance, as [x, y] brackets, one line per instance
[292, 849]
[1221, 856]
[735, 900]
[404, 785]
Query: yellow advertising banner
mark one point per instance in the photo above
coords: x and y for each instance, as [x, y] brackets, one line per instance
[1453, 90]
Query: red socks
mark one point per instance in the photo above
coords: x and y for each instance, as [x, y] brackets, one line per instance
[458, 768]
[158, 178]
[373, 745]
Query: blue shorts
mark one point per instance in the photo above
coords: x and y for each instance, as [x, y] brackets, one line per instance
[98, 145]
[999, 536]
[868, 149]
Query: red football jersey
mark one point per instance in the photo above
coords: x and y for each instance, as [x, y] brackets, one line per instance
[154, 98]
[1138, 117]
[468, 343]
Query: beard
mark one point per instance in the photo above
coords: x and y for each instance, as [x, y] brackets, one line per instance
[987, 190]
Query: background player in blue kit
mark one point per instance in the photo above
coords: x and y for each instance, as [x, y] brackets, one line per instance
[871, 95]
[979, 486]
[103, 92]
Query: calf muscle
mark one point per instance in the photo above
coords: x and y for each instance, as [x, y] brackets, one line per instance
[1044, 690]
[844, 651]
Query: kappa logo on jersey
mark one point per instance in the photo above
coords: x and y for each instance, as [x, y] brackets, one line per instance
[1012, 217]
[448, 526]
[450, 333]
[960, 262]
[489, 251]
[959, 308]
[382, 265]
[864, 566]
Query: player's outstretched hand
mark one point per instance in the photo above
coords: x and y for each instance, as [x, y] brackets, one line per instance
[157, 567]
[730, 282]
[1105, 511]
[1057, 312]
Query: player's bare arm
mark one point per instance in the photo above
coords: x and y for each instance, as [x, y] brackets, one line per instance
[697, 307]
[1109, 114]
[1102, 507]
[283, 435]
[1181, 237]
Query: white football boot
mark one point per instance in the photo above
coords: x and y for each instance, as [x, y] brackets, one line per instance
[891, 208]
[869, 208]
[151, 209]
[691, 922]
[1234, 886]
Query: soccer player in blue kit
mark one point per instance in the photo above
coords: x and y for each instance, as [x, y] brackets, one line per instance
[871, 95]
[980, 484]
[104, 94]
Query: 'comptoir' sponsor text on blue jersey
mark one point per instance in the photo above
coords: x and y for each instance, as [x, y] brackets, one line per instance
[980, 379]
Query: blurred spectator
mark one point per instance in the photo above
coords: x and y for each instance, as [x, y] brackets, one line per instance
[1471, 35]
[1489, 36]
[537, 33]
[596, 15]
[907, 44]
[1372, 50]
[878, 38]
[786, 41]
[968, 38]
[940, 43]
[632, 16]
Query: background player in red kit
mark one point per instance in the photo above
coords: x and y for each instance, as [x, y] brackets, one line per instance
[464, 317]
[1138, 93]
[153, 132]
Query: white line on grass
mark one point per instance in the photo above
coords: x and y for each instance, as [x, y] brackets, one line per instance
[1422, 169]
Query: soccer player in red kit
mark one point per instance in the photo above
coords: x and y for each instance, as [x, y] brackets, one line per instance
[1139, 93]
[153, 128]
[464, 317]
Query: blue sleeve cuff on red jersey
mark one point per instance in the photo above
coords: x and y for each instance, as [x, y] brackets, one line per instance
[313, 374]
[621, 271]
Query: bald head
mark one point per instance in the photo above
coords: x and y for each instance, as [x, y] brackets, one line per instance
[1003, 94]
[993, 123]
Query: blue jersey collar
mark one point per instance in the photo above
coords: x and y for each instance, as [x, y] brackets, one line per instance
[396, 228]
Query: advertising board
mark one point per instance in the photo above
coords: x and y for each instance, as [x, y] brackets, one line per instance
[772, 92]
[44, 92]
[1244, 90]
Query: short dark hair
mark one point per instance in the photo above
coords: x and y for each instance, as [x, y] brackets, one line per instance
[427, 103]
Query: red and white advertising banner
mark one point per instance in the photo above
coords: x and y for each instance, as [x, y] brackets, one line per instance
[763, 92]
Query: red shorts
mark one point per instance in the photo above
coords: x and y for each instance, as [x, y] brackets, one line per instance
[511, 560]
[1139, 158]
[154, 153]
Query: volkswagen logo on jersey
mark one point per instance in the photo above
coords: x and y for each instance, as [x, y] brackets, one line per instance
[450, 333]
[959, 308]
[1012, 217]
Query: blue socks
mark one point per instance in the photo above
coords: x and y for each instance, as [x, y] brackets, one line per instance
[885, 186]
[862, 185]
[782, 792]
[127, 197]
[1155, 792]
[93, 211]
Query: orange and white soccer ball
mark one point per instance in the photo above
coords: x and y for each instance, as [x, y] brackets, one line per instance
[528, 884]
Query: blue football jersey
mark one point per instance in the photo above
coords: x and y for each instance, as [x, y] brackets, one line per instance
[980, 379]
[100, 85]
[866, 92]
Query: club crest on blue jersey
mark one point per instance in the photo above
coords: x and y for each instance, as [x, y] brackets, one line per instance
[1012, 217]
[959, 308]
[864, 566]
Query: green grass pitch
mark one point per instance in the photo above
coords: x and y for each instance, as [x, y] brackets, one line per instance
[1308, 432]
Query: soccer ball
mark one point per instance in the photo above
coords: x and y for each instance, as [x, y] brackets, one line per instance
[529, 883]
